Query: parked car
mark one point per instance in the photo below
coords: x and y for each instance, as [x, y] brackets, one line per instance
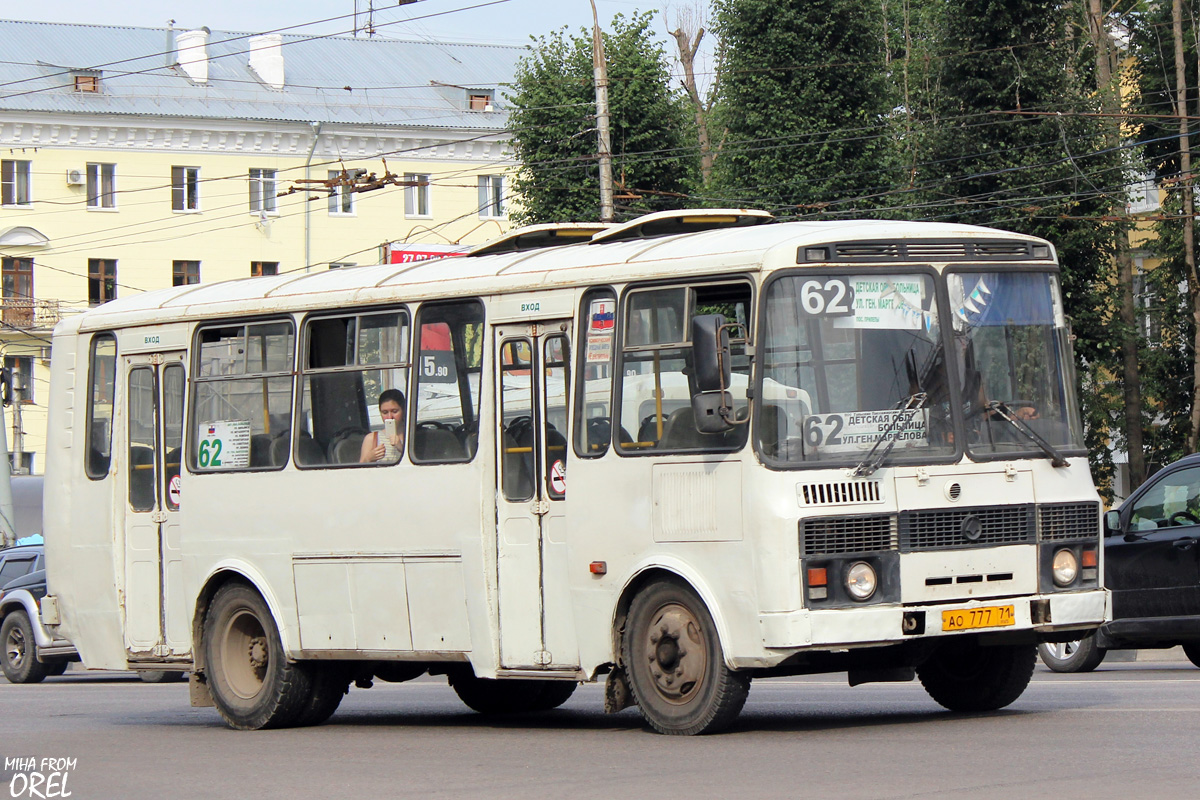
[18, 561]
[28, 652]
[1152, 568]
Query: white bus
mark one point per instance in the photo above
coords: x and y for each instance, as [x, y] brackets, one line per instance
[794, 448]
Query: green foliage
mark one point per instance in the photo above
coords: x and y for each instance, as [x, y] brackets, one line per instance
[802, 100]
[553, 124]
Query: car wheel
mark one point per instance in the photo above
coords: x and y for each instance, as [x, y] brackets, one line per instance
[1079, 656]
[676, 668]
[253, 684]
[963, 675]
[160, 676]
[1192, 651]
[18, 658]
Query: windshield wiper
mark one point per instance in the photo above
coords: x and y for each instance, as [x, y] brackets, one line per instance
[905, 410]
[1056, 458]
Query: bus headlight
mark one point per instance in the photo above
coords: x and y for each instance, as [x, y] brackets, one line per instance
[1065, 567]
[861, 580]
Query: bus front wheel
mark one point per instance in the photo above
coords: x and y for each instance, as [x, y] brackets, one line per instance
[963, 675]
[676, 668]
[253, 684]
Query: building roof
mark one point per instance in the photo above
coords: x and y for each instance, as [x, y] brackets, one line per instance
[376, 81]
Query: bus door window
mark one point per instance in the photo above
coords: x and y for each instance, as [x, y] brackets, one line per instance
[101, 383]
[656, 362]
[593, 403]
[350, 362]
[143, 439]
[555, 380]
[172, 409]
[445, 425]
[518, 465]
[242, 409]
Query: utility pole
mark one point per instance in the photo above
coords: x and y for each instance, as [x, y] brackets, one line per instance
[600, 70]
[8, 530]
[1189, 207]
[18, 396]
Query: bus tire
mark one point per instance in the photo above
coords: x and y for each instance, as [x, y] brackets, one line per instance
[19, 659]
[330, 683]
[554, 694]
[676, 668]
[488, 696]
[1078, 656]
[160, 676]
[253, 684]
[962, 675]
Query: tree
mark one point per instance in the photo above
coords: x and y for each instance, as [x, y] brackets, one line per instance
[553, 124]
[802, 99]
[1012, 145]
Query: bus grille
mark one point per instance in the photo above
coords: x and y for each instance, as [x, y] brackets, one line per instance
[966, 527]
[1068, 521]
[861, 534]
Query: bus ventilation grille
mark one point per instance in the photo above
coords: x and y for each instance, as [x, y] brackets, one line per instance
[982, 526]
[1069, 521]
[835, 494]
[834, 535]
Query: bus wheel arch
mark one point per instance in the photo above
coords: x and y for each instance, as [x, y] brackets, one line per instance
[673, 659]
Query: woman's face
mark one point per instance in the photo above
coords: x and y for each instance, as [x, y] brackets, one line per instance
[390, 409]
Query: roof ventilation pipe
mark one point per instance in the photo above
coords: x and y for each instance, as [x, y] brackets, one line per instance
[192, 50]
[266, 59]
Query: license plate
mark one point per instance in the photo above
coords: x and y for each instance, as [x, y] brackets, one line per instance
[965, 619]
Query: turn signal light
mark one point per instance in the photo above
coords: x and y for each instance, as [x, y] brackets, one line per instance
[1089, 558]
[818, 583]
[598, 568]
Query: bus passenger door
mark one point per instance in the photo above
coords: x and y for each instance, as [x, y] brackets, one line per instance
[536, 627]
[156, 624]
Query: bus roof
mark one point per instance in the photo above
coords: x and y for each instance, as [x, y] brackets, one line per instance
[767, 246]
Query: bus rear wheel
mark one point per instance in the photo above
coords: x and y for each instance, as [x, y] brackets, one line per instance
[963, 675]
[253, 684]
[676, 668]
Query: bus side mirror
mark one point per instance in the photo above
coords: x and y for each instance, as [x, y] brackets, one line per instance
[711, 371]
[1112, 522]
[710, 353]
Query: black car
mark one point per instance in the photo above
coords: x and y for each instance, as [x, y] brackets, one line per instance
[1152, 568]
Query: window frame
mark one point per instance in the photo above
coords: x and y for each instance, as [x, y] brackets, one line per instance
[263, 199]
[21, 365]
[688, 284]
[180, 269]
[463, 377]
[91, 405]
[185, 189]
[302, 371]
[16, 183]
[341, 198]
[100, 175]
[578, 432]
[494, 199]
[194, 381]
[99, 280]
[261, 273]
[418, 193]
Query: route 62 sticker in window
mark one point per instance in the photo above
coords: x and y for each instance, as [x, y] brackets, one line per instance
[224, 444]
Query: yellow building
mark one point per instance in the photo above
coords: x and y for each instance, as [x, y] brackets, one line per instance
[133, 159]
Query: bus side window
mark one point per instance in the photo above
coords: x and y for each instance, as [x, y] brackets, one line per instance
[101, 383]
[445, 426]
[593, 394]
[242, 403]
[350, 361]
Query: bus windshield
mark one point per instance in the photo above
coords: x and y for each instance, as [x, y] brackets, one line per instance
[1014, 362]
[851, 362]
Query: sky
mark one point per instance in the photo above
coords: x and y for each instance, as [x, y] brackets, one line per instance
[496, 21]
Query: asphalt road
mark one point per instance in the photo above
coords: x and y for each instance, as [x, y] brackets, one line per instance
[1129, 730]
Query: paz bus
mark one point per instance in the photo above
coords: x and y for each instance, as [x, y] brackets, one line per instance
[794, 448]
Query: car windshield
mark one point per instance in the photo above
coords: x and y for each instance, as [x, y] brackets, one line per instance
[1013, 354]
[851, 362]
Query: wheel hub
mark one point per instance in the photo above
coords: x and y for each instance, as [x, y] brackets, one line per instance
[15, 647]
[258, 652]
[677, 656]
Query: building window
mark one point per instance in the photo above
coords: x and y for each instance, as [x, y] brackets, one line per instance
[341, 264]
[102, 280]
[416, 195]
[101, 186]
[341, 199]
[21, 370]
[260, 268]
[479, 101]
[185, 188]
[491, 196]
[16, 277]
[185, 273]
[89, 84]
[21, 463]
[14, 182]
[262, 190]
